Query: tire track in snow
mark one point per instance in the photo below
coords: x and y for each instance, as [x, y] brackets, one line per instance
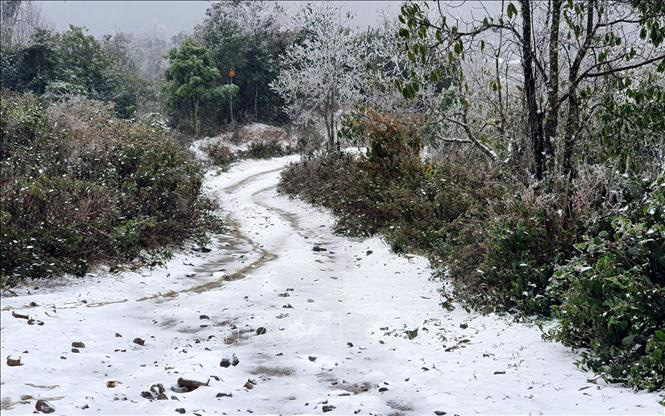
[210, 267]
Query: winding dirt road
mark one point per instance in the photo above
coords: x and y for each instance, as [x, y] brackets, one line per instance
[318, 323]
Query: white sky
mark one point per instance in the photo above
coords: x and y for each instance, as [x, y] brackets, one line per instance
[169, 17]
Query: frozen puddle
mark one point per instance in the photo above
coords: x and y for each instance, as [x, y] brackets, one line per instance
[318, 324]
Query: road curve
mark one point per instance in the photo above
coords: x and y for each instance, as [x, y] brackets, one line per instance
[319, 324]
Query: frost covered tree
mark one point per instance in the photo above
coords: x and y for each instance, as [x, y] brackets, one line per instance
[384, 65]
[319, 74]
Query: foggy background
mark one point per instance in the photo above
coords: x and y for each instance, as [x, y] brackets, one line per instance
[168, 17]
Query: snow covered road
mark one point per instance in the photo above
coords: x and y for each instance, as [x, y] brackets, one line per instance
[318, 323]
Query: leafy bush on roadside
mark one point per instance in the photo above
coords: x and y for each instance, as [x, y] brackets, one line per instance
[504, 242]
[219, 154]
[80, 186]
[266, 150]
[613, 295]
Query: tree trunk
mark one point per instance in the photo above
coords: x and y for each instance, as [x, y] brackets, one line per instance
[233, 120]
[573, 119]
[8, 17]
[572, 124]
[552, 111]
[256, 100]
[330, 138]
[534, 116]
[197, 122]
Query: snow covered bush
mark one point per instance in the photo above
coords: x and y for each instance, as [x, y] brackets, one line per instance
[219, 154]
[80, 186]
[613, 295]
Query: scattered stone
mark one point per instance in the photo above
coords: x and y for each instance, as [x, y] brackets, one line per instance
[464, 325]
[439, 412]
[224, 395]
[499, 372]
[78, 344]
[349, 344]
[35, 321]
[43, 406]
[19, 315]
[319, 248]
[412, 334]
[157, 392]
[146, 395]
[287, 306]
[312, 358]
[190, 385]
[328, 408]
[117, 335]
[13, 361]
[33, 304]
[369, 252]
[139, 341]
[383, 389]
[226, 362]
[310, 300]
[282, 316]
[180, 410]
[249, 384]
[284, 295]
[204, 317]
[75, 350]
[260, 330]
[111, 384]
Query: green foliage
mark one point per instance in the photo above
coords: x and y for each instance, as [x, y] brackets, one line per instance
[237, 38]
[630, 124]
[613, 295]
[71, 63]
[80, 186]
[505, 261]
[195, 92]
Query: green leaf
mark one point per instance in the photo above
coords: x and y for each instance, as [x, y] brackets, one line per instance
[511, 11]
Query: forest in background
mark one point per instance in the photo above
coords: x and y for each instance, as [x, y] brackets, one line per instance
[520, 150]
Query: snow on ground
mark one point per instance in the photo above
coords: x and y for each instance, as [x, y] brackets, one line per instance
[243, 137]
[319, 323]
